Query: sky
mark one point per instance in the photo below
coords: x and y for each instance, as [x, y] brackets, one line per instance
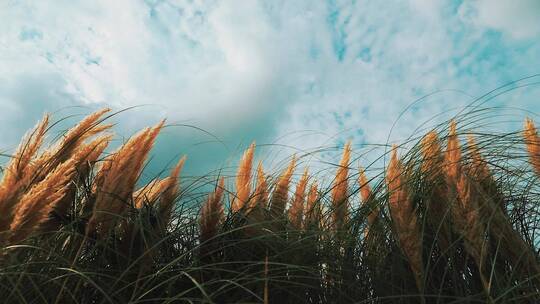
[292, 75]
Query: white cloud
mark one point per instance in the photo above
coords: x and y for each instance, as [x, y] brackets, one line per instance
[518, 18]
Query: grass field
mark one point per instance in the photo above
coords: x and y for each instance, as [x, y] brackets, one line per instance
[453, 217]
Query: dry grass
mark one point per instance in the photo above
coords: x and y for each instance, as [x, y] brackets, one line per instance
[404, 216]
[437, 201]
[135, 242]
[532, 140]
[115, 180]
[313, 211]
[280, 195]
[464, 205]
[171, 193]
[243, 180]
[340, 195]
[296, 211]
[212, 213]
[17, 176]
[367, 196]
[260, 197]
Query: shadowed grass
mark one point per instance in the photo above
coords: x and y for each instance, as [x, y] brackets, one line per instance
[427, 228]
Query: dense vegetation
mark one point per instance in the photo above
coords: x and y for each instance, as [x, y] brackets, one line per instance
[445, 222]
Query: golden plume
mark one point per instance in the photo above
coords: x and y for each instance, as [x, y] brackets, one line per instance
[16, 178]
[260, 197]
[367, 196]
[281, 191]
[464, 205]
[478, 165]
[313, 209]
[432, 168]
[492, 206]
[340, 191]
[296, 211]
[532, 140]
[115, 181]
[86, 156]
[243, 180]
[70, 143]
[34, 207]
[170, 194]
[151, 192]
[212, 213]
[404, 216]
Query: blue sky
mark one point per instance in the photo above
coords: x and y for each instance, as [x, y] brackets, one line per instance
[301, 74]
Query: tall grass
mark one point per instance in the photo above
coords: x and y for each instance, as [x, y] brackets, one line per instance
[442, 223]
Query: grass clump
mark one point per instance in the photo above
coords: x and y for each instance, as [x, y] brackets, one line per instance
[442, 223]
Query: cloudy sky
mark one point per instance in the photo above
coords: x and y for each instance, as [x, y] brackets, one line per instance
[292, 74]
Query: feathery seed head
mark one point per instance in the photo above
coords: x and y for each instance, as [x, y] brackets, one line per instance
[313, 207]
[151, 192]
[115, 181]
[453, 153]
[243, 179]
[212, 213]
[404, 216]
[296, 211]
[365, 189]
[16, 176]
[171, 192]
[340, 189]
[532, 140]
[366, 195]
[34, 207]
[281, 191]
[478, 166]
[260, 196]
[432, 155]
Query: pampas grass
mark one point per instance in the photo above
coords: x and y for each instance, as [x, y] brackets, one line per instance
[366, 196]
[17, 176]
[296, 211]
[212, 213]
[442, 224]
[280, 194]
[243, 180]
[171, 193]
[340, 195]
[404, 216]
[532, 140]
[115, 181]
[260, 197]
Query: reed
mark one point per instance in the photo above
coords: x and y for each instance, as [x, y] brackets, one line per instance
[87, 155]
[404, 217]
[34, 207]
[296, 211]
[150, 193]
[260, 197]
[464, 206]
[70, 143]
[280, 195]
[17, 178]
[171, 193]
[461, 222]
[532, 141]
[115, 180]
[366, 196]
[313, 211]
[511, 245]
[437, 204]
[340, 194]
[212, 213]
